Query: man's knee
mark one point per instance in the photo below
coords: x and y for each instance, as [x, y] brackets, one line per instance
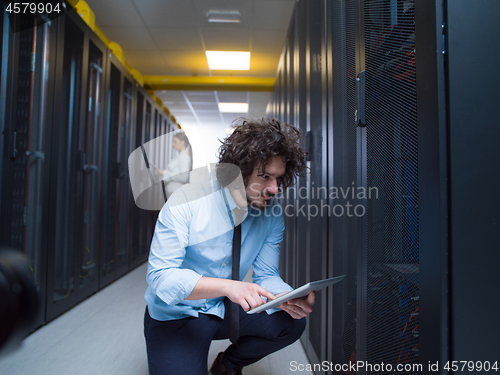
[299, 325]
[293, 328]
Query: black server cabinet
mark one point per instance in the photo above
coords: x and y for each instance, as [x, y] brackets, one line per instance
[472, 42]
[149, 134]
[409, 129]
[139, 240]
[75, 173]
[289, 111]
[342, 329]
[388, 283]
[313, 79]
[27, 73]
[301, 271]
[116, 188]
[71, 114]
[66, 175]
[459, 163]
[91, 155]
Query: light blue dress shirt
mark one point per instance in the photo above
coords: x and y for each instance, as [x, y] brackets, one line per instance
[193, 238]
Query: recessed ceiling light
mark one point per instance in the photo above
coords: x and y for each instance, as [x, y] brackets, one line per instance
[233, 107]
[219, 16]
[228, 60]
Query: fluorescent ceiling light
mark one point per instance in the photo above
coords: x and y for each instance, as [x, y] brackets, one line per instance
[228, 60]
[224, 16]
[233, 107]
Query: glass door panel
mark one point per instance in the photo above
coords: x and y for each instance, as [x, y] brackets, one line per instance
[23, 166]
[36, 153]
[69, 165]
[123, 177]
[92, 171]
[391, 162]
[138, 218]
[114, 259]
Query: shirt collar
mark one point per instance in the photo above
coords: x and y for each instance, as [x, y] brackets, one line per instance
[230, 201]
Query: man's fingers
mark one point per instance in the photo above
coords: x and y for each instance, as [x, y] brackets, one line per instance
[254, 301]
[263, 292]
[292, 312]
[311, 298]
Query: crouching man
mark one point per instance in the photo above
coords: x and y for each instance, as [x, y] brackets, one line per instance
[189, 275]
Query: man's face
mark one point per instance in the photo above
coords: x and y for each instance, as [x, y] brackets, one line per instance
[261, 187]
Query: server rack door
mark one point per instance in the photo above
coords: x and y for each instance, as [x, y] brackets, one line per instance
[472, 45]
[92, 160]
[139, 248]
[290, 221]
[165, 147]
[390, 187]
[125, 187]
[278, 89]
[63, 275]
[316, 216]
[114, 254]
[299, 191]
[433, 179]
[342, 172]
[26, 80]
[150, 135]
[301, 184]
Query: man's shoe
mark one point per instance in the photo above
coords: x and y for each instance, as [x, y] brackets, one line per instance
[218, 368]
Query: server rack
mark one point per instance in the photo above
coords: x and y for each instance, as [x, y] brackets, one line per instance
[26, 102]
[343, 242]
[66, 217]
[71, 115]
[400, 100]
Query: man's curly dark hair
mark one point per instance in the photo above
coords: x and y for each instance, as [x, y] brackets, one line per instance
[254, 142]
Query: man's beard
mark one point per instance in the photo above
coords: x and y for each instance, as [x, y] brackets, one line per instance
[255, 203]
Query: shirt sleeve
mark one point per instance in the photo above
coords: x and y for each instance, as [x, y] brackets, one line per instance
[266, 265]
[166, 277]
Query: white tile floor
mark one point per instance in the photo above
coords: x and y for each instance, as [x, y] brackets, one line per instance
[104, 335]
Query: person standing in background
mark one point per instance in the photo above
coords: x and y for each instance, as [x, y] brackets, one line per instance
[177, 171]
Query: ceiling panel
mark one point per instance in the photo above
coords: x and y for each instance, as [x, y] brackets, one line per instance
[145, 59]
[161, 13]
[200, 96]
[186, 63]
[115, 13]
[179, 39]
[223, 40]
[131, 37]
[205, 107]
[245, 8]
[171, 95]
[179, 108]
[209, 119]
[273, 14]
[234, 97]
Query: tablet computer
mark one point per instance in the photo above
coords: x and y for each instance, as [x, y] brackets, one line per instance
[303, 291]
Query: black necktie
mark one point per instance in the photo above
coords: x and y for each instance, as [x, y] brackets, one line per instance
[234, 319]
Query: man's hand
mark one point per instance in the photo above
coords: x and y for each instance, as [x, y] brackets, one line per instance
[299, 307]
[247, 295]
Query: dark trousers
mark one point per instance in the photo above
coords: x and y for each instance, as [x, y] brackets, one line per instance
[180, 347]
